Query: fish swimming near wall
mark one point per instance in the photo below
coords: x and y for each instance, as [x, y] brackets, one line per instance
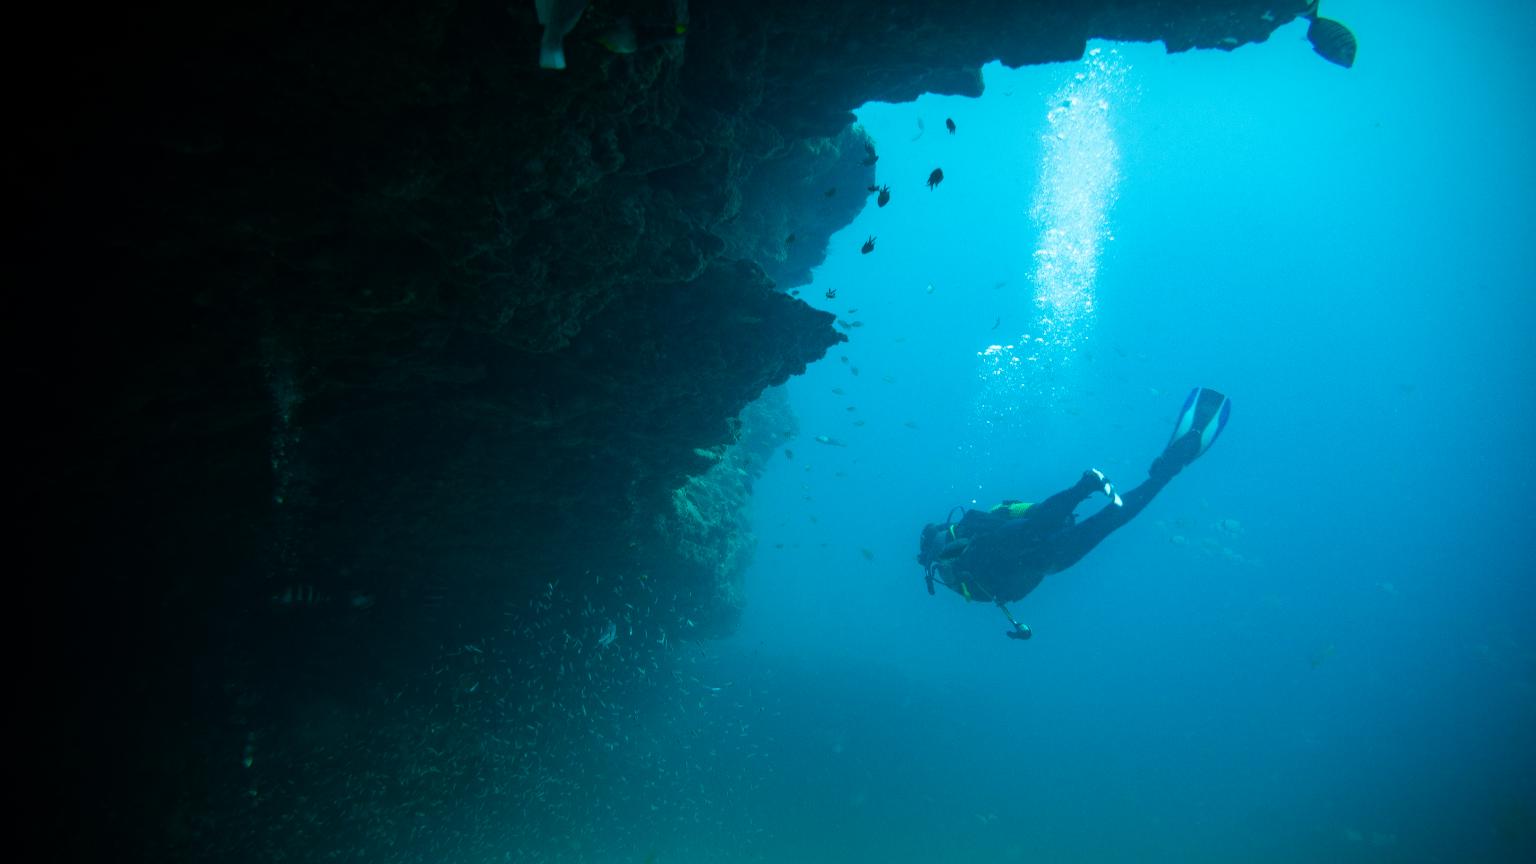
[624, 36]
[559, 17]
[1330, 39]
[304, 596]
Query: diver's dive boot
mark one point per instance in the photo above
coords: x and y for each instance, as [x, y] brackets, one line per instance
[1101, 483]
[1203, 417]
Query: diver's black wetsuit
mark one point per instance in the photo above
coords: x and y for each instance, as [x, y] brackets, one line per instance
[1002, 554]
[1000, 558]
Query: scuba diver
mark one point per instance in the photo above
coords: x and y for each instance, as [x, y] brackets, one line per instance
[1000, 555]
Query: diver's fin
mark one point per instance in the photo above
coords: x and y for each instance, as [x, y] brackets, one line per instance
[1203, 417]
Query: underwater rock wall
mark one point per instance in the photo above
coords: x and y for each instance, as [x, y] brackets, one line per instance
[369, 337]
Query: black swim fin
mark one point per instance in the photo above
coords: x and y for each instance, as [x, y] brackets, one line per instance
[1203, 417]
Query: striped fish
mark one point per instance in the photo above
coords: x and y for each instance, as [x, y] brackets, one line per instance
[1332, 40]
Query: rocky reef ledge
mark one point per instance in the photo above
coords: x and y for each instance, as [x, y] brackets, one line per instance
[355, 335]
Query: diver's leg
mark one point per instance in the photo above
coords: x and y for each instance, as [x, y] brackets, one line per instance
[1071, 545]
[1059, 507]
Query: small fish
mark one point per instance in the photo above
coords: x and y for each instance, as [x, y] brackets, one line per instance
[869, 245]
[910, 424]
[829, 441]
[950, 125]
[843, 358]
[618, 37]
[789, 240]
[623, 37]
[837, 391]
[858, 422]
[843, 324]
[559, 17]
[885, 196]
[1319, 657]
[870, 157]
[1330, 39]
[795, 292]
[873, 188]
[996, 323]
[789, 454]
[854, 370]
[610, 633]
[867, 553]
[302, 596]
[853, 311]
[830, 192]
[920, 129]
[935, 178]
[854, 325]
[831, 293]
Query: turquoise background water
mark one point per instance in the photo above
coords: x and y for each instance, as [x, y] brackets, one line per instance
[1315, 644]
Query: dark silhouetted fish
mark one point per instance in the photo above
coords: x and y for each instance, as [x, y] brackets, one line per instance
[935, 178]
[559, 17]
[1331, 40]
[885, 196]
[950, 125]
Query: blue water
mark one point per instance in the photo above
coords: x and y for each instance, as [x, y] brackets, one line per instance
[1315, 643]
